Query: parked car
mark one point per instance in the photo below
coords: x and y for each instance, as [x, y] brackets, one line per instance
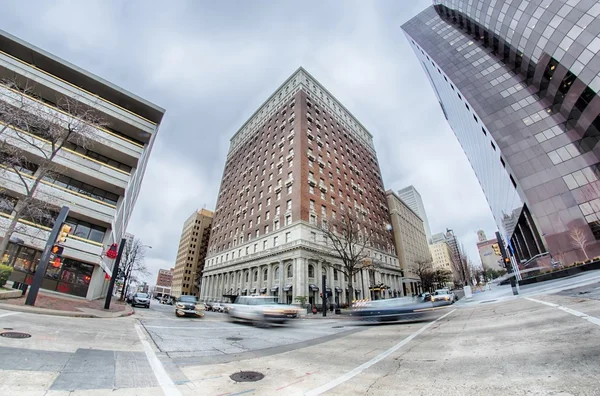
[142, 299]
[189, 305]
[218, 307]
[208, 306]
[426, 296]
[263, 309]
[444, 295]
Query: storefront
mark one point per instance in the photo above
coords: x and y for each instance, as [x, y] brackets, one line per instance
[69, 276]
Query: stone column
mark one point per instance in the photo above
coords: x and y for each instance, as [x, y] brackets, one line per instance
[269, 278]
[281, 281]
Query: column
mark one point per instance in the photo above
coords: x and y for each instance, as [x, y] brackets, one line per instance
[297, 289]
[282, 277]
[269, 278]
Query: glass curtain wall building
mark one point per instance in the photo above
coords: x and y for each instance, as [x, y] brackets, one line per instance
[517, 82]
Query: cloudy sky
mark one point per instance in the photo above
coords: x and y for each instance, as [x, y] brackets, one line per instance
[211, 64]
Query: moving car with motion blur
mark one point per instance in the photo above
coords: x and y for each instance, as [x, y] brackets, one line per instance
[393, 310]
[443, 295]
[188, 306]
[264, 309]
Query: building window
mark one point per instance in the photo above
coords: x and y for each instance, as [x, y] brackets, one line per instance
[313, 219]
[312, 205]
[255, 248]
[264, 245]
[311, 271]
[494, 147]
[288, 236]
[266, 229]
[311, 189]
[289, 189]
[288, 220]
[275, 241]
[335, 274]
[484, 132]
[265, 274]
[512, 180]
[313, 236]
[278, 196]
[289, 271]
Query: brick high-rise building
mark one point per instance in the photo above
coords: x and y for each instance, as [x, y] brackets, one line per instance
[165, 277]
[300, 159]
[191, 254]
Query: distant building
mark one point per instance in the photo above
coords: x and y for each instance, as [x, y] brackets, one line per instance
[481, 236]
[441, 256]
[410, 240]
[489, 252]
[163, 282]
[143, 288]
[191, 254]
[450, 239]
[413, 199]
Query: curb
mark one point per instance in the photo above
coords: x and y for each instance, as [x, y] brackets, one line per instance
[55, 312]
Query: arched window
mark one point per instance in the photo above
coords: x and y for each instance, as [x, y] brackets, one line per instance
[276, 273]
[311, 271]
[265, 274]
[247, 276]
[290, 271]
[255, 276]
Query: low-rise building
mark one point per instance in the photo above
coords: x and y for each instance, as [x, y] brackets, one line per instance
[163, 282]
[490, 255]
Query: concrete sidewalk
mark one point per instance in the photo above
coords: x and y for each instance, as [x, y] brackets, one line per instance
[66, 306]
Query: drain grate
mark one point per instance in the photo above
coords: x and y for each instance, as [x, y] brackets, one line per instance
[247, 376]
[337, 327]
[14, 334]
[234, 338]
[488, 301]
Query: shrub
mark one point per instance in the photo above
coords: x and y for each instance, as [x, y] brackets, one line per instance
[5, 271]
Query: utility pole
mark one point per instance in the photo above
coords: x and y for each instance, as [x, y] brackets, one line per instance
[324, 294]
[508, 264]
[115, 273]
[43, 264]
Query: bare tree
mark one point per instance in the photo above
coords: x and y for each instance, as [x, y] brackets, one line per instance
[347, 238]
[424, 270]
[579, 240]
[132, 264]
[31, 136]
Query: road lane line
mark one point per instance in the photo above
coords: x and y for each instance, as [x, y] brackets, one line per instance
[573, 312]
[9, 314]
[351, 374]
[166, 383]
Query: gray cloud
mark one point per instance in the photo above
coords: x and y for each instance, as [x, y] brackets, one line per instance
[212, 64]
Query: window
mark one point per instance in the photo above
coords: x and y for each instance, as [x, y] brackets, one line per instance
[288, 220]
[335, 274]
[265, 272]
[311, 189]
[265, 247]
[258, 218]
[494, 147]
[275, 241]
[278, 196]
[323, 195]
[266, 229]
[289, 189]
[247, 251]
[288, 204]
[275, 225]
[288, 236]
[255, 276]
[313, 236]
[512, 180]
[323, 210]
[257, 233]
[483, 130]
[268, 201]
[312, 205]
[277, 210]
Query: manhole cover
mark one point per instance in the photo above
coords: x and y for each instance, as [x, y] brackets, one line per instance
[234, 338]
[247, 376]
[337, 327]
[14, 334]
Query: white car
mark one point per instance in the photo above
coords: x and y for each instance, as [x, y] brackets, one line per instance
[262, 309]
[443, 295]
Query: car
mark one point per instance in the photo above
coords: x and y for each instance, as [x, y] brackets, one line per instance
[261, 309]
[393, 310]
[188, 306]
[426, 296]
[142, 299]
[218, 307]
[443, 295]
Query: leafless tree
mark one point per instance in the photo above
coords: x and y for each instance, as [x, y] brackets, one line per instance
[579, 240]
[424, 270]
[31, 136]
[132, 264]
[348, 239]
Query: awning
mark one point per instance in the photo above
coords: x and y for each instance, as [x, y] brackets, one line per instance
[338, 289]
[287, 288]
[253, 290]
[275, 288]
[313, 287]
[263, 289]
[245, 291]
[328, 289]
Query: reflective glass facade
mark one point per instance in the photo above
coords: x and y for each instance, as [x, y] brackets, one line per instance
[517, 81]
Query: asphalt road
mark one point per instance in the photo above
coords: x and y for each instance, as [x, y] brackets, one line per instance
[495, 344]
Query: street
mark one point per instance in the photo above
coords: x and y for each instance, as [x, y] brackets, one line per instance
[536, 344]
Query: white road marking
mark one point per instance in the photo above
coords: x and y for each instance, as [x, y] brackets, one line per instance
[191, 327]
[166, 383]
[573, 312]
[9, 314]
[340, 380]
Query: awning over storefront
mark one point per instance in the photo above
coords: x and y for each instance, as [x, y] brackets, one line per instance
[253, 290]
[313, 287]
[338, 289]
[245, 291]
[328, 289]
[275, 288]
[287, 288]
[263, 289]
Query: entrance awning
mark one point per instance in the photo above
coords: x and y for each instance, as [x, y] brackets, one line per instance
[245, 291]
[253, 290]
[313, 287]
[287, 288]
[328, 289]
[338, 289]
[275, 288]
[263, 289]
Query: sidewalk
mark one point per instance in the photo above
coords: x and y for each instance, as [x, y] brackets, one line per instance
[66, 306]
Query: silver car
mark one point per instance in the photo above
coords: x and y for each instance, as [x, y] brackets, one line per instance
[262, 309]
[443, 295]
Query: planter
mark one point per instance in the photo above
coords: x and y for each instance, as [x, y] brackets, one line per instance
[6, 294]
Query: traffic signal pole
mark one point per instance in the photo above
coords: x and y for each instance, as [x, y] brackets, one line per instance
[115, 272]
[43, 264]
[324, 294]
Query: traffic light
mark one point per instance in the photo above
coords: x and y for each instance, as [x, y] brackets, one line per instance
[496, 249]
[57, 250]
[65, 230]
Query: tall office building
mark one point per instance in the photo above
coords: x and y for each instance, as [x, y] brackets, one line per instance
[191, 254]
[517, 82]
[300, 160]
[99, 183]
[413, 199]
[410, 240]
[442, 257]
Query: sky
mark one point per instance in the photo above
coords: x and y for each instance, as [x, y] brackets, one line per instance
[212, 64]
